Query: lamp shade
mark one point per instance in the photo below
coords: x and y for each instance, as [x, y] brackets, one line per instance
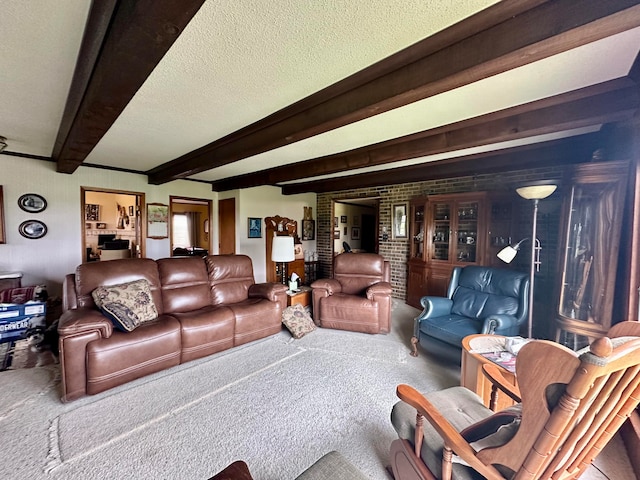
[507, 254]
[282, 249]
[536, 192]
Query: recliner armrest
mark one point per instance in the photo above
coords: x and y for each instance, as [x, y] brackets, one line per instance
[82, 320]
[500, 321]
[380, 289]
[270, 291]
[330, 285]
[434, 307]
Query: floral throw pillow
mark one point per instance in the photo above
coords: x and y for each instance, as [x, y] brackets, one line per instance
[127, 305]
[298, 321]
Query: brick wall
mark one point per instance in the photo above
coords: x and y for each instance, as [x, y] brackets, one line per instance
[397, 250]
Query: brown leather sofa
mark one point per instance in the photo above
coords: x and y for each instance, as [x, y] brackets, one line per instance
[358, 297]
[205, 305]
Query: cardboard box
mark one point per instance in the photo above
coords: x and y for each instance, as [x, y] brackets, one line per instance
[18, 319]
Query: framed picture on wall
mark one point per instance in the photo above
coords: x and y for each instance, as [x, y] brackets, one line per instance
[92, 212]
[399, 227]
[254, 226]
[355, 233]
[157, 220]
[343, 219]
[336, 234]
[335, 222]
[308, 229]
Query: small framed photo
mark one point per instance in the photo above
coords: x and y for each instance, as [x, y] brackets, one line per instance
[32, 229]
[344, 232]
[308, 229]
[88, 225]
[92, 212]
[336, 234]
[335, 222]
[32, 203]
[254, 227]
[400, 227]
[355, 233]
[101, 226]
[343, 219]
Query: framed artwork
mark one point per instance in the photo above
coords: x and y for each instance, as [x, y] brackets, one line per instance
[356, 220]
[344, 231]
[32, 203]
[92, 212]
[32, 229]
[254, 227]
[399, 227]
[3, 238]
[335, 222]
[101, 226]
[157, 220]
[336, 234]
[355, 233]
[131, 210]
[308, 229]
[88, 225]
[343, 219]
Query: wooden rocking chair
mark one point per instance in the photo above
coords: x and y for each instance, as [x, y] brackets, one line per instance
[571, 405]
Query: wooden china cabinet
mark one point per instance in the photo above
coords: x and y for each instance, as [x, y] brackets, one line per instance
[454, 230]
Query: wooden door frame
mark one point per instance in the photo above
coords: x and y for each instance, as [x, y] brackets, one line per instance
[209, 204]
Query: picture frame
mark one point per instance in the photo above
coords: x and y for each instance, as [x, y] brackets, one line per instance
[336, 234]
[400, 221]
[32, 229]
[32, 203]
[131, 210]
[335, 222]
[355, 233]
[3, 238]
[254, 227]
[92, 212]
[308, 229]
[344, 232]
[88, 225]
[101, 226]
[343, 219]
[157, 220]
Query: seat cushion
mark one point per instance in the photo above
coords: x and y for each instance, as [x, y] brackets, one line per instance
[206, 331]
[349, 312]
[255, 318]
[461, 407]
[125, 356]
[450, 328]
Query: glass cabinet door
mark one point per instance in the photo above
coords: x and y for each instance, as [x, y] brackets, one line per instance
[441, 230]
[417, 231]
[467, 232]
[592, 227]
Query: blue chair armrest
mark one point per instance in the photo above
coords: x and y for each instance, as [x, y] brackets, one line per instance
[502, 322]
[434, 307]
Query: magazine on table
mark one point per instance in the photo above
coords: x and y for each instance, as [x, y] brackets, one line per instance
[503, 352]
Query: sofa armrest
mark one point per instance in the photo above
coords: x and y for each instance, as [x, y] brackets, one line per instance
[501, 323]
[434, 307]
[271, 291]
[82, 320]
[379, 289]
[330, 285]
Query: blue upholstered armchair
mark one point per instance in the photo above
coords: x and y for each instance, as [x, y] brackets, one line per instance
[479, 300]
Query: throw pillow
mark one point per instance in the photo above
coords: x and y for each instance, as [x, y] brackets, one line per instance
[127, 305]
[298, 321]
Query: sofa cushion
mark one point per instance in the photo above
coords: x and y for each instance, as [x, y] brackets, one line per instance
[298, 321]
[185, 284]
[451, 328]
[230, 277]
[127, 305]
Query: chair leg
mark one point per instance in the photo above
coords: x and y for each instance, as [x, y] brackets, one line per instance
[414, 346]
[405, 465]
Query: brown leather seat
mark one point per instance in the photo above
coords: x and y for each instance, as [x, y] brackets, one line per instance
[358, 297]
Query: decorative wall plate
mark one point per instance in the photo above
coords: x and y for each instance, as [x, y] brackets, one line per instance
[32, 229]
[32, 203]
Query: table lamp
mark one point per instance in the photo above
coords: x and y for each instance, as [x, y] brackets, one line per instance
[282, 251]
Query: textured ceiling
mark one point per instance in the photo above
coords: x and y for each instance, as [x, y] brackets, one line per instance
[239, 61]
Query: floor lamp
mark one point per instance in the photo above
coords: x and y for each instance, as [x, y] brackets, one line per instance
[282, 251]
[535, 192]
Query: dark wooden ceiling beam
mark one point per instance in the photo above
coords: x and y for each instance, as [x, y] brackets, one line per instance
[602, 103]
[502, 37]
[552, 153]
[123, 43]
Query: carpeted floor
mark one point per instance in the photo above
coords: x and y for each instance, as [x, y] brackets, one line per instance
[279, 404]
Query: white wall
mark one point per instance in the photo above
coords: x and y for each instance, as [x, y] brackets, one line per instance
[50, 258]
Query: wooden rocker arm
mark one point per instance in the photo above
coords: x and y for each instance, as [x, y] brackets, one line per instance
[495, 376]
[452, 438]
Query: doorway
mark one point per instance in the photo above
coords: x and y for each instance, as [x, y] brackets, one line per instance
[227, 226]
[355, 225]
[190, 226]
[112, 226]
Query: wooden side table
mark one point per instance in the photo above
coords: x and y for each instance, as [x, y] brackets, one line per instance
[301, 297]
[471, 375]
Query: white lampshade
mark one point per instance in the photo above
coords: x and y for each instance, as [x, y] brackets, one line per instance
[536, 192]
[507, 254]
[282, 249]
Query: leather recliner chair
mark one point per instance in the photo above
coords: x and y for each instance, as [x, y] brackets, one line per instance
[358, 297]
[479, 300]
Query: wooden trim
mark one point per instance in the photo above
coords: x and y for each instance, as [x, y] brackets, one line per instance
[505, 36]
[132, 37]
